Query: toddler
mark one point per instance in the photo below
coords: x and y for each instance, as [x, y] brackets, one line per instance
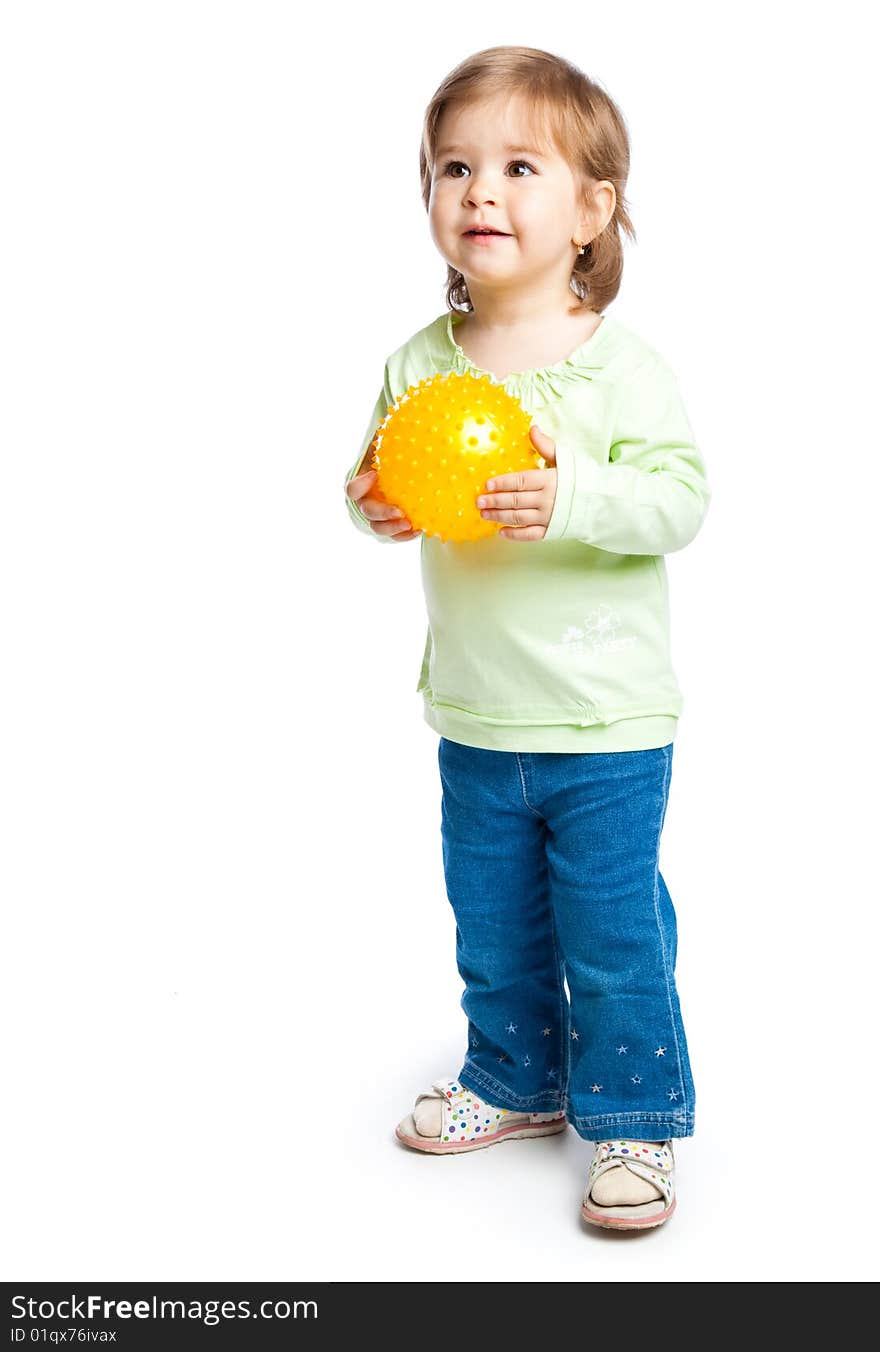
[546, 669]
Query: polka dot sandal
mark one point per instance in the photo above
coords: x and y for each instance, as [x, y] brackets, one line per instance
[652, 1162]
[468, 1122]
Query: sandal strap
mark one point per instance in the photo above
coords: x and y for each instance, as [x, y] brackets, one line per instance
[653, 1163]
[630, 1152]
[466, 1114]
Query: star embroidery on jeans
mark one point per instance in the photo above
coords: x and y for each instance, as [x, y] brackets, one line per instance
[636, 1079]
[574, 1035]
[528, 1061]
[546, 1032]
[502, 1057]
[551, 1074]
[621, 1051]
[673, 1094]
[511, 1028]
[661, 1051]
[596, 1088]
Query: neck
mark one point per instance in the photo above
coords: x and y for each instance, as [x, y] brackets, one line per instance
[524, 312]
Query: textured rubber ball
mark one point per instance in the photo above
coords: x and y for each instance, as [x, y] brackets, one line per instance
[440, 442]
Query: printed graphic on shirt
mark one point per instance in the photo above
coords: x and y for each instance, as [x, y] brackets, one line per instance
[598, 634]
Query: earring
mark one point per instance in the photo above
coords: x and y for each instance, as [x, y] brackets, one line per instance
[582, 246]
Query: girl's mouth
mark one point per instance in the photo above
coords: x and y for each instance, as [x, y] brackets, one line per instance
[483, 236]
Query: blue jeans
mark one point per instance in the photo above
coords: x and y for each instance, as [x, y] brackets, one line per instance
[551, 864]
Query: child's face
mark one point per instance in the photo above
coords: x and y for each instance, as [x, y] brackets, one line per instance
[529, 194]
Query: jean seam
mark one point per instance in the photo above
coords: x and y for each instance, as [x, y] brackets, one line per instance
[662, 933]
[643, 1116]
[559, 981]
[619, 1123]
[489, 1082]
[523, 786]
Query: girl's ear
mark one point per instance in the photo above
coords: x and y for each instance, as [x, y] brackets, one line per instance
[601, 209]
[598, 201]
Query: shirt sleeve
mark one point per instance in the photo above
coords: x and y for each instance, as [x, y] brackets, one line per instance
[652, 496]
[383, 403]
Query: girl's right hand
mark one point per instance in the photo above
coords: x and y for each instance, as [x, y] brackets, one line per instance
[383, 518]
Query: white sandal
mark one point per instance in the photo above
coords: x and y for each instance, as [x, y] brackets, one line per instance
[645, 1159]
[468, 1122]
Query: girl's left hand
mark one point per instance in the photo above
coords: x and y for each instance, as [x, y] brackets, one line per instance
[524, 499]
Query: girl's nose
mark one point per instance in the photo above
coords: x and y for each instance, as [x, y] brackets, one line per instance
[475, 196]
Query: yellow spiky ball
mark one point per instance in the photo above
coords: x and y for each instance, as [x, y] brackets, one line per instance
[440, 442]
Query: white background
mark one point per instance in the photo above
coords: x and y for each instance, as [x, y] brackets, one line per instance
[228, 956]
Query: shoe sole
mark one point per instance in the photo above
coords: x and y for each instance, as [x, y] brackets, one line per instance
[429, 1147]
[620, 1221]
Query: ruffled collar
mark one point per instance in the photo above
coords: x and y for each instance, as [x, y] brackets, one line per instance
[540, 386]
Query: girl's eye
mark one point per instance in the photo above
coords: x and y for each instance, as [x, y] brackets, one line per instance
[455, 164]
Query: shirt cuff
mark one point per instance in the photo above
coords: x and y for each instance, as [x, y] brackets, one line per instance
[576, 481]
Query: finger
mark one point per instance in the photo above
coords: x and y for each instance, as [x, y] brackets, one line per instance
[360, 485]
[545, 445]
[391, 527]
[509, 506]
[524, 480]
[506, 502]
[527, 533]
[520, 516]
[406, 535]
[375, 509]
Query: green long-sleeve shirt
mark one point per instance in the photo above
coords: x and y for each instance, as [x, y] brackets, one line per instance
[562, 644]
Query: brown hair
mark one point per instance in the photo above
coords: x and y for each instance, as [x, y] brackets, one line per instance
[576, 115]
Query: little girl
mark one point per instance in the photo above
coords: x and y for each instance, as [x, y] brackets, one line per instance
[547, 667]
